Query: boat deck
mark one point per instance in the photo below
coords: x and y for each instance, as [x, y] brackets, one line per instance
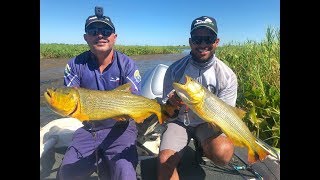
[192, 167]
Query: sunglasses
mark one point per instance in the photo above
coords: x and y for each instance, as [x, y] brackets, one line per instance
[207, 39]
[96, 31]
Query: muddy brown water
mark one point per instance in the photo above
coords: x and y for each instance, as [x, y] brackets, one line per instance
[51, 75]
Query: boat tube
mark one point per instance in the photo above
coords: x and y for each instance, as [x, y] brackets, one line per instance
[58, 133]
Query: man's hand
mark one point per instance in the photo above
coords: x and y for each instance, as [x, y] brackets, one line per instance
[173, 105]
[175, 100]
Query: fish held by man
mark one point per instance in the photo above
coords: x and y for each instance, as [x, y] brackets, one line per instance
[119, 104]
[218, 113]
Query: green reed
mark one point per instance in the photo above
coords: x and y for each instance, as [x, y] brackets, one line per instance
[257, 65]
[55, 50]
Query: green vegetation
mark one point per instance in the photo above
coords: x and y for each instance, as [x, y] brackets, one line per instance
[48, 51]
[257, 65]
[258, 68]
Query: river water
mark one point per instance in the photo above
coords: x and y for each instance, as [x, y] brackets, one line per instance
[51, 75]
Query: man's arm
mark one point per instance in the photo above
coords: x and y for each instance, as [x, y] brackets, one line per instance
[229, 93]
[71, 78]
[169, 97]
[133, 76]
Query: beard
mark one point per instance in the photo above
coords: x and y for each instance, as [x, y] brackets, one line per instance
[202, 55]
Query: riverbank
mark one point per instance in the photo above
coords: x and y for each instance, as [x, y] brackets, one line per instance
[51, 75]
[257, 66]
[55, 50]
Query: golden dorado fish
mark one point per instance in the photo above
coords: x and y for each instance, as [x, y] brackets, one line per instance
[86, 104]
[216, 112]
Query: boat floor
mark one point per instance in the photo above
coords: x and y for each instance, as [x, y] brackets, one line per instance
[191, 167]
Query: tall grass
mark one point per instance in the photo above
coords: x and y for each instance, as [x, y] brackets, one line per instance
[55, 50]
[257, 65]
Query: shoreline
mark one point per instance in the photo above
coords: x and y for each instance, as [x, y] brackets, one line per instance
[134, 57]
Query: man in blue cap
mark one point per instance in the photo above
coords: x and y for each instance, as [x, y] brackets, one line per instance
[107, 147]
[203, 65]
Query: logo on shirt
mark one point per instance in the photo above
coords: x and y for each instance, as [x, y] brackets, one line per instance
[137, 76]
[115, 79]
[212, 89]
[67, 70]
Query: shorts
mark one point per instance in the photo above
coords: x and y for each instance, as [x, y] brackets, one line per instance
[177, 136]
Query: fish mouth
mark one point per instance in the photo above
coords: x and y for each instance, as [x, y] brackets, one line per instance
[188, 79]
[187, 91]
[177, 86]
[48, 95]
[181, 87]
[180, 90]
[74, 110]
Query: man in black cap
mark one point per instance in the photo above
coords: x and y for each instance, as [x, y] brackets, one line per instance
[107, 147]
[203, 65]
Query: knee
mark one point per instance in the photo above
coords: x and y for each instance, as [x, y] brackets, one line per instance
[220, 154]
[124, 168]
[224, 154]
[162, 157]
[167, 163]
[168, 158]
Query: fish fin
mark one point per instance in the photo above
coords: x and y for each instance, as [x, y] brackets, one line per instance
[212, 125]
[237, 143]
[162, 117]
[125, 87]
[167, 112]
[121, 118]
[271, 150]
[252, 156]
[139, 118]
[81, 117]
[241, 113]
[126, 117]
[258, 154]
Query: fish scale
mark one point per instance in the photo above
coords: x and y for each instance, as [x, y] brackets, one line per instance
[115, 103]
[215, 111]
[119, 104]
[223, 113]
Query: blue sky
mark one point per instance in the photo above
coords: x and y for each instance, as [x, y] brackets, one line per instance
[160, 22]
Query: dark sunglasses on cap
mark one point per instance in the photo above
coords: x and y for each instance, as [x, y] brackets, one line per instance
[96, 31]
[207, 39]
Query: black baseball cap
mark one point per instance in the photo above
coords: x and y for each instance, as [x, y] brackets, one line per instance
[205, 21]
[102, 19]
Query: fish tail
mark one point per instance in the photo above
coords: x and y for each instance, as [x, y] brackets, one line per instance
[165, 113]
[161, 117]
[258, 153]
